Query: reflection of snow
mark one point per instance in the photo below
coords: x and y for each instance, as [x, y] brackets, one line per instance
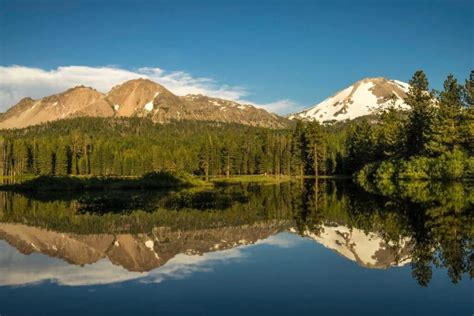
[368, 249]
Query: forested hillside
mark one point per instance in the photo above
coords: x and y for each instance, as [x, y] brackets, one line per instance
[135, 146]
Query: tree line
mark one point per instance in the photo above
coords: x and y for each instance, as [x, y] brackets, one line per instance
[136, 146]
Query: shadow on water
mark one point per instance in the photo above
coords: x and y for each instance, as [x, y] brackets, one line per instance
[423, 224]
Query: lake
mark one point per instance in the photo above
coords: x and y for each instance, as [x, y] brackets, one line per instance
[294, 248]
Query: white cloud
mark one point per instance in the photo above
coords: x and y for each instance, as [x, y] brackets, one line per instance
[282, 107]
[17, 82]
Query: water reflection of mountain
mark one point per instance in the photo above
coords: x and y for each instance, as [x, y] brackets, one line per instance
[134, 252]
[144, 252]
[375, 231]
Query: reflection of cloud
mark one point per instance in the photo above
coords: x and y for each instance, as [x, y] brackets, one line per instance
[19, 269]
[183, 265]
[282, 240]
[17, 82]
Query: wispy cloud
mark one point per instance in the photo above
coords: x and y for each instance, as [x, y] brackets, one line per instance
[17, 82]
[282, 107]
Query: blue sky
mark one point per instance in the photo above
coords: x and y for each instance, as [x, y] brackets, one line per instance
[298, 51]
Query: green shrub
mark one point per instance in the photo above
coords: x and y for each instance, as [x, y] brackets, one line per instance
[415, 168]
[448, 166]
[386, 186]
[386, 170]
[469, 168]
[452, 165]
[366, 174]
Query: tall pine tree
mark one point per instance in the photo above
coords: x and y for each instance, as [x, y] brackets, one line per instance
[315, 146]
[391, 130]
[467, 118]
[445, 126]
[420, 113]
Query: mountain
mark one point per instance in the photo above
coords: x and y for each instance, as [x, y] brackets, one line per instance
[136, 98]
[57, 106]
[145, 98]
[359, 99]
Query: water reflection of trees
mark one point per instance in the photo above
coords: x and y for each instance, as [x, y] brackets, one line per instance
[435, 217]
[140, 212]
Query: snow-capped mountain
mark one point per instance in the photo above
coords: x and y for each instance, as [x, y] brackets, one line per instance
[136, 98]
[359, 99]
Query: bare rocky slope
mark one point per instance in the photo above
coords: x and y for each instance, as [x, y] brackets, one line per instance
[136, 98]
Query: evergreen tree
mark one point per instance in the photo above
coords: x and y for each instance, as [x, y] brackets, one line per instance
[445, 126]
[315, 146]
[420, 113]
[204, 161]
[467, 118]
[361, 145]
[298, 148]
[391, 130]
[61, 159]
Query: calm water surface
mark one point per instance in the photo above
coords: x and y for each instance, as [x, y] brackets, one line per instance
[308, 248]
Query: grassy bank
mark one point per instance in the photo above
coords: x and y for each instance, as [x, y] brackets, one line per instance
[154, 180]
[149, 181]
[263, 179]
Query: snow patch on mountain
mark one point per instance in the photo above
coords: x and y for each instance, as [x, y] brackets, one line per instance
[359, 99]
[149, 106]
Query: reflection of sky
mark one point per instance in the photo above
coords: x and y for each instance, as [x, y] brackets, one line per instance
[18, 269]
[281, 275]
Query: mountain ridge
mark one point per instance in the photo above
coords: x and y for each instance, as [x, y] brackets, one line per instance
[136, 98]
[144, 98]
